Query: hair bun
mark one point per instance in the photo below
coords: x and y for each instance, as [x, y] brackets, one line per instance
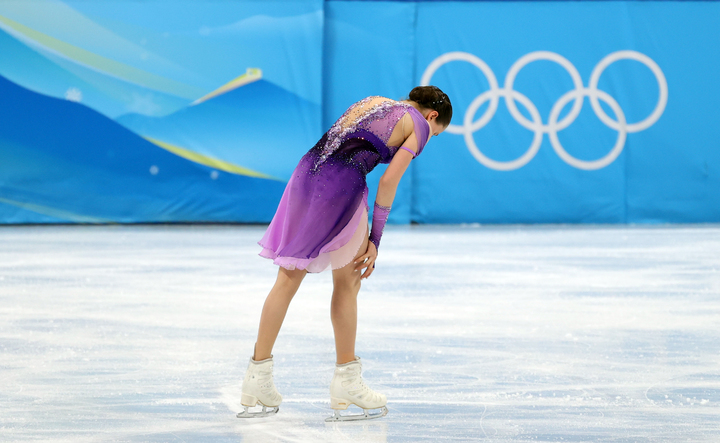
[431, 97]
[425, 95]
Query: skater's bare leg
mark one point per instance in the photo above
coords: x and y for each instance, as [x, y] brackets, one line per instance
[274, 310]
[343, 309]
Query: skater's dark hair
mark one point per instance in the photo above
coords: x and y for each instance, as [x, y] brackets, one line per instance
[431, 97]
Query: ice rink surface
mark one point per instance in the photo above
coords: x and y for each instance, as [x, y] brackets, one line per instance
[549, 333]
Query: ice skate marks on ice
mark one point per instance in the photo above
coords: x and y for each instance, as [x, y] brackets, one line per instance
[229, 396]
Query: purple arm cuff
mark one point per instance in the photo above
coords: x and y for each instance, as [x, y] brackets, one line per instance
[380, 216]
[408, 150]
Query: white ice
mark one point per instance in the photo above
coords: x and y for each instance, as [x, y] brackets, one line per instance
[550, 333]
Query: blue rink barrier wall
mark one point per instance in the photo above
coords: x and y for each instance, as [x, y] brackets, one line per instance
[656, 64]
[564, 112]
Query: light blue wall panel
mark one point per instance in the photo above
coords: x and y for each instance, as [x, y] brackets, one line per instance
[665, 170]
[369, 50]
[673, 172]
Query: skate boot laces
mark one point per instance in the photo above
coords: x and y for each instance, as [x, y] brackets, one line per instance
[356, 387]
[265, 381]
[361, 391]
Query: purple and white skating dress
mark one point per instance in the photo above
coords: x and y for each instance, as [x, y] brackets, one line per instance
[322, 218]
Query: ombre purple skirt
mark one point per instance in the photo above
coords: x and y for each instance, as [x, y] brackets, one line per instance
[322, 219]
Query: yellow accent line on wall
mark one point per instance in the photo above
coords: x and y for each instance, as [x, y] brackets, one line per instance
[53, 212]
[252, 75]
[209, 161]
[98, 62]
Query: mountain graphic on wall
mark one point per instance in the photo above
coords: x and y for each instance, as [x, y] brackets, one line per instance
[248, 121]
[61, 78]
[61, 161]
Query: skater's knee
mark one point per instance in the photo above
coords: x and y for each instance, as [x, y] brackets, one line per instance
[290, 278]
[349, 285]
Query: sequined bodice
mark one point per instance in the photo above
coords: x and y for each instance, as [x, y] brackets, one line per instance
[378, 120]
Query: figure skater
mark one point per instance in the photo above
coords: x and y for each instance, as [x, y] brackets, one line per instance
[322, 221]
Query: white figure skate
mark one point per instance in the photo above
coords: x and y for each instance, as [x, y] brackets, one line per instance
[347, 387]
[258, 387]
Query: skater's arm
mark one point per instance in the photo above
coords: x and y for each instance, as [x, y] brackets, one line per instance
[385, 196]
[394, 172]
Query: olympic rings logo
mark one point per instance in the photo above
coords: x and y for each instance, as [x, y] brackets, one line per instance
[469, 127]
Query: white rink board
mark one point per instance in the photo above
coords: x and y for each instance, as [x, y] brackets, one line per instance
[550, 333]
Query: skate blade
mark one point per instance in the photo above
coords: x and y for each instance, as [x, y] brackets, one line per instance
[258, 414]
[336, 417]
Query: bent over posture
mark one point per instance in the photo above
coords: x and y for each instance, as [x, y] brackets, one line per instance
[322, 221]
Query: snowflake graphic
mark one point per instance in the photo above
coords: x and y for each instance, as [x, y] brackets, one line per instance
[74, 95]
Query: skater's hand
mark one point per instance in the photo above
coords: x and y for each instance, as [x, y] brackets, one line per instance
[367, 260]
